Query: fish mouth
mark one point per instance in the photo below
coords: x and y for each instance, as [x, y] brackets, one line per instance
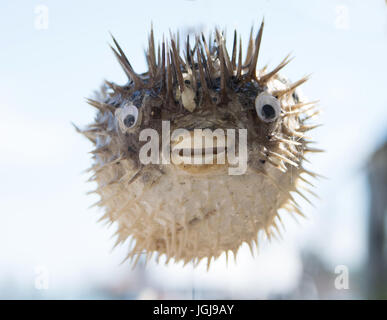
[199, 154]
[202, 152]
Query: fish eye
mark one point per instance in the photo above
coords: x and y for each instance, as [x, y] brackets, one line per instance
[268, 107]
[129, 121]
[127, 116]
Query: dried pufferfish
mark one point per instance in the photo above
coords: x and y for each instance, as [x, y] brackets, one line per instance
[191, 212]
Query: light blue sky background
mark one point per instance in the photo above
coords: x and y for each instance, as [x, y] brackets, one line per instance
[45, 75]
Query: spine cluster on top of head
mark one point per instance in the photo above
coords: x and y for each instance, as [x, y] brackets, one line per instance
[208, 63]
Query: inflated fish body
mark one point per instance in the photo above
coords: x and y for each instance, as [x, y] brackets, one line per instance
[194, 211]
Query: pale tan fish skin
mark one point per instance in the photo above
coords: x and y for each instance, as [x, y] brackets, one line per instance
[192, 212]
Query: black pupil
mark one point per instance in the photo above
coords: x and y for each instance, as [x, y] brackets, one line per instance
[129, 121]
[268, 111]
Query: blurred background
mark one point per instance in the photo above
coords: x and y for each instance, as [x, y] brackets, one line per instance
[55, 53]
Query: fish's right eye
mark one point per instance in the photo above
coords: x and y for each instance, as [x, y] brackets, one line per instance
[268, 107]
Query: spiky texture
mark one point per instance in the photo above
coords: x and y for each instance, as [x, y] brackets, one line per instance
[193, 212]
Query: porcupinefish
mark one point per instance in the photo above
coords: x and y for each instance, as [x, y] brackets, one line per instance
[194, 210]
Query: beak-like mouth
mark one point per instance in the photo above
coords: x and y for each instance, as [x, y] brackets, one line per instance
[202, 152]
[199, 152]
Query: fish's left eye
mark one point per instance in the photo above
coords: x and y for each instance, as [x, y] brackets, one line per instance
[268, 107]
[127, 116]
